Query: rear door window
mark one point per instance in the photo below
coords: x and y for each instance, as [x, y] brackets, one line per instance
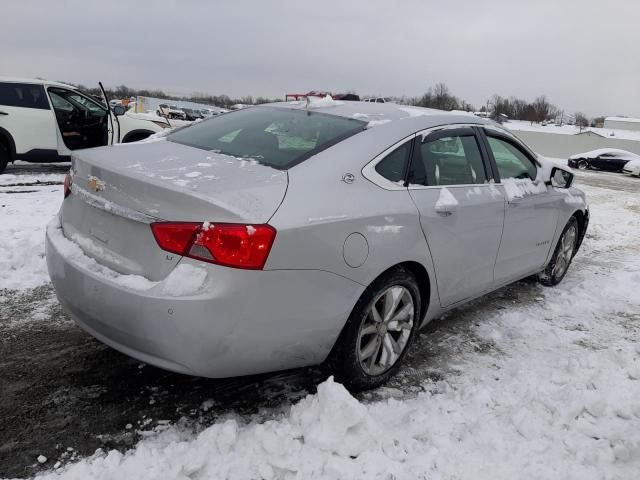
[453, 159]
[23, 95]
[277, 137]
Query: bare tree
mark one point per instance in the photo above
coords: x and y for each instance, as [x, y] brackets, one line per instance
[542, 108]
[581, 120]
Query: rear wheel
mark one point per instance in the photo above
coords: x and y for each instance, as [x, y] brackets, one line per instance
[562, 255]
[378, 333]
[4, 157]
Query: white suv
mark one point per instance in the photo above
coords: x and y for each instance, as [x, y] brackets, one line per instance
[43, 121]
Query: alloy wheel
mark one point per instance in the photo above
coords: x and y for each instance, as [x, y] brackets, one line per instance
[567, 246]
[385, 331]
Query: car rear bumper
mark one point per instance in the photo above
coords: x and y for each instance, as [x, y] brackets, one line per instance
[240, 322]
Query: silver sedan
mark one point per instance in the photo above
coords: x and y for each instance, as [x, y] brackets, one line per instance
[303, 233]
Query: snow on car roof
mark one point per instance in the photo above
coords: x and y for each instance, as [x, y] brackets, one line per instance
[380, 113]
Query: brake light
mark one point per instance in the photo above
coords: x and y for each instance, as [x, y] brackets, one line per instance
[229, 244]
[68, 181]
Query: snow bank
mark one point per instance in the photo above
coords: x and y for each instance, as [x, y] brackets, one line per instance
[327, 435]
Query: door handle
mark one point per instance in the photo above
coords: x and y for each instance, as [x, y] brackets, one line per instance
[445, 210]
[4, 113]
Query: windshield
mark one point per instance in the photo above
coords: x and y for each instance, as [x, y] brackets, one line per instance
[278, 137]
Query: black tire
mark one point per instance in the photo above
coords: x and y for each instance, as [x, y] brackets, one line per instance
[583, 165]
[550, 276]
[4, 157]
[343, 361]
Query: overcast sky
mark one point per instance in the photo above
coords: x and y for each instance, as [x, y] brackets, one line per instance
[583, 54]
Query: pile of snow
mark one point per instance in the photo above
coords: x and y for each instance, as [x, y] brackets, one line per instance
[321, 102]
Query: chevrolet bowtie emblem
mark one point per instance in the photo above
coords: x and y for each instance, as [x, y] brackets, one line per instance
[95, 184]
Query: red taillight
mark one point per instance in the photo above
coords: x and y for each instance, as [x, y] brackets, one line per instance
[175, 237]
[68, 180]
[228, 244]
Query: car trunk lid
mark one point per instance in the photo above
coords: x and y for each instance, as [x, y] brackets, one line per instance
[119, 191]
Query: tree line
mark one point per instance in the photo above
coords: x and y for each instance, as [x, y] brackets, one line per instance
[439, 97]
[497, 107]
[222, 101]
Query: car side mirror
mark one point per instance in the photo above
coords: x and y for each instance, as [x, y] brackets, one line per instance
[560, 178]
[119, 110]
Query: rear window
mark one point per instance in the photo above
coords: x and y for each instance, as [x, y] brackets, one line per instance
[23, 95]
[277, 137]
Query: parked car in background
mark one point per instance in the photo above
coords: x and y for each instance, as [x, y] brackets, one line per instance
[611, 159]
[43, 121]
[377, 100]
[314, 237]
[171, 111]
[632, 167]
[192, 114]
[349, 97]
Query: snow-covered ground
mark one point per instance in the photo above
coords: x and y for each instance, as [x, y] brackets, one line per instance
[554, 394]
[518, 125]
[26, 207]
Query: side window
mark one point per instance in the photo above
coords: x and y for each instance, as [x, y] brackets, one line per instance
[393, 166]
[23, 95]
[511, 161]
[454, 160]
[59, 103]
[66, 101]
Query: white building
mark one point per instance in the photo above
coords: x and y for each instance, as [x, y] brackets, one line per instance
[622, 123]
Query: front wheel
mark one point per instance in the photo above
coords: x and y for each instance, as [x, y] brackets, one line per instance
[583, 165]
[562, 255]
[378, 332]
